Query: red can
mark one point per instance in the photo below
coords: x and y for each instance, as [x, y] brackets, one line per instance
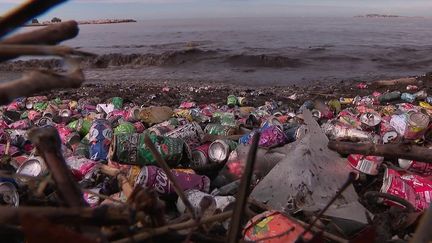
[421, 168]
[200, 155]
[366, 164]
[21, 124]
[139, 127]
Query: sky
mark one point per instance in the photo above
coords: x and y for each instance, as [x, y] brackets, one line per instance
[172, 9]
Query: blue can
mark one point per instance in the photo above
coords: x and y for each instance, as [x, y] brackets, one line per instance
[410, 98]
[101, 136]
[429, 100]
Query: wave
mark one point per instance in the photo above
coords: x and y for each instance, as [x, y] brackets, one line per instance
[321, 56]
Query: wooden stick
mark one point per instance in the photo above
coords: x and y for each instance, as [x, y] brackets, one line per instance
[161, 162]
[36, 50]
[393, 82]
[175, 227]
[24, 13]
[37, 81]
[48, 144]
[243, 193]
[89, 216]
[402, 151]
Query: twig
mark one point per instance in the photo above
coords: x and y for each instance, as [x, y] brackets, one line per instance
[175, 227]
[37, 50]
[402, 151]
[350, 180]
[161, 162]
[24, 13]
[243, 192]
[48, 144]
[89, 216]
[37, 81]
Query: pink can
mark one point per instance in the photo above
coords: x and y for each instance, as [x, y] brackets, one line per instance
[366, 164]
[21, 124]
[139, 127]
[34, 115]
[155, 178]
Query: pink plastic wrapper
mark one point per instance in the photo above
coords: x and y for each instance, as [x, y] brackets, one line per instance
[366, 164]
[414, 188]
[272, 136]
[155, 178]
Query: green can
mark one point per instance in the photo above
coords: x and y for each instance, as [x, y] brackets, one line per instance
[24, 115]
[228, 119]
[218, 129]
[232, 100]
[131, 149]
[82, 126]
[40, 106]
[124, 127]
[117, 102]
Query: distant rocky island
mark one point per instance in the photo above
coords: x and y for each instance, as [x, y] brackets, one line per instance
[36, 22]
[378, 16]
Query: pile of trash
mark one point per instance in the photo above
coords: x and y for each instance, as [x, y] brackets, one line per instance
[296, 176]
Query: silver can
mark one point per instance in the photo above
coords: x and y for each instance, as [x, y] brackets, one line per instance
[32, 167]
[220, 149]
[191, 133]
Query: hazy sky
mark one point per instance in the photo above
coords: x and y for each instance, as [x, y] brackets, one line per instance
[154, 9]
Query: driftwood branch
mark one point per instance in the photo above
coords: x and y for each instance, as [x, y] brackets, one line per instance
[87, 216]
[48, 144]
[400, 81]
[24, 13]
[175, 227]
[402, 151]
[243, 193]
[37, 81]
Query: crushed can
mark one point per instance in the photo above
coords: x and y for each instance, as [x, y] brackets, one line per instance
[232, 101]
[272, 136]
[131, 149]
[8, 194]
[34, 166]
[124, 127]
[155, 178]
[200, 155]
[421, 168]
[274, 224]
[100, 138]
[366, 164]
[117, 102]
[218, 129]
[81, 168]
[407, 97]
[416, 125]
[191, 133]
[220, 149]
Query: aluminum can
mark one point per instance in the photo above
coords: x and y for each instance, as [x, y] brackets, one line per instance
[417, 124]
[160, 130]
[32, 167]
[117, 102]
[155, 178]
[391, 96]
[220, 149]
[420, 95]
[407, 97]
[275, 225]
[81, 168]
[421, 168]
[100, 138]
[366, 164]
[9, 194]
[191, 133]
[131, 149]
[232, 101]
[218, 129]
[200, 155]
[272, 136]
[21, 124]
[370, 119]
[124, 127]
